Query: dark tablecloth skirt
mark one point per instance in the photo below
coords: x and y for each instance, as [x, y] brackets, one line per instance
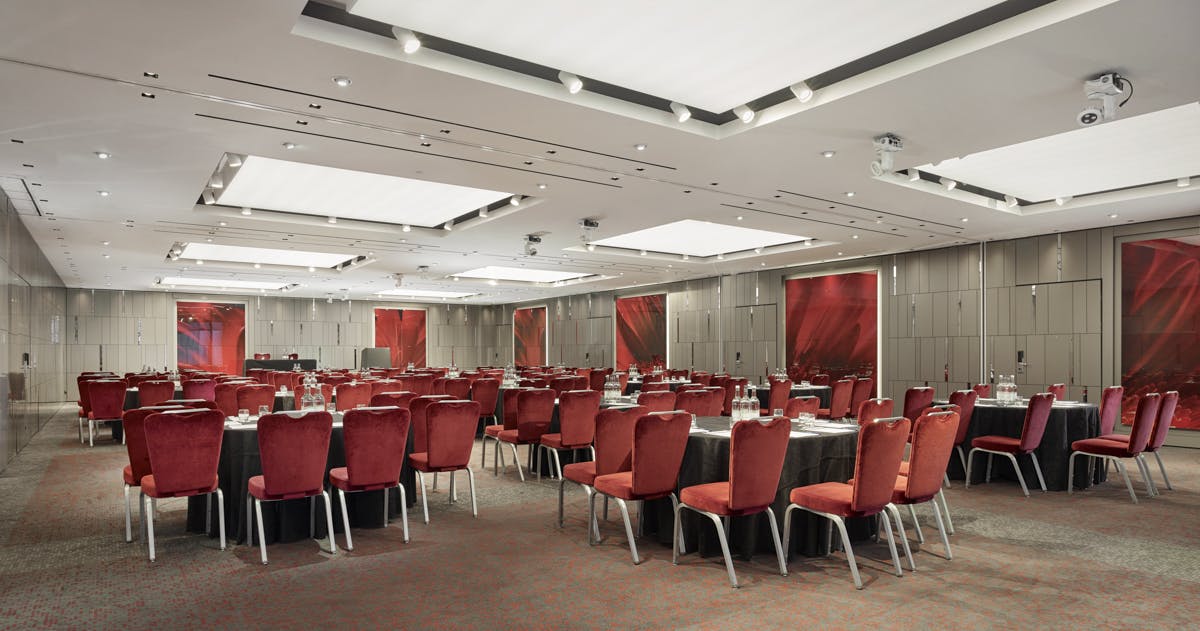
[809, 460]
[1066, 425]
[289, 520]
[821, 392]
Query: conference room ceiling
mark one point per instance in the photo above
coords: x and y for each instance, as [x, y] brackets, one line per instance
[170, 90]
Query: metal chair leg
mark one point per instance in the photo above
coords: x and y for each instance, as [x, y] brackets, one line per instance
[841, 526]
[912, 565]
[471, 483]
[775, 540]
[561, 483]
[988, 477]
[628, 530]
[937, 516]
[970, 461]
[262, 532]
[1128, 484]
[128, 517]
[1163, 469]
[946, 509]
[674, 502]
[891, 539]
[912, 510]
[249, 520]
[1037, 468]
[1144, 470]
[592, 519]
[150, 526]
[1017, 468]
[517, 460]
[557, 462]
[346, 519]
[453, 489]
[403, 511]
[716, 519]
[329, 522]
[424, 496]
[221, 515]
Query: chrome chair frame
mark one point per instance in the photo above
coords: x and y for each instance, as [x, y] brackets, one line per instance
[722, 523]
[1016, 467]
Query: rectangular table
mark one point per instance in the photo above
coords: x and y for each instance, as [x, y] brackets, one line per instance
[278, 364]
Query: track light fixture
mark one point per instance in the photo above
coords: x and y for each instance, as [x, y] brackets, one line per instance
[914, 175]
[234, 161]
[948, 183]
[247, 212]
[745, 113]
[803, 93]
[408, 40]
[591, 247]
[573, 83]
[216, 182]
[1183, 182]
[1010, 201]
[332, 220]
[515, 200]
[1062, 200]
[682, 113]
[406, 228]
[209, 198]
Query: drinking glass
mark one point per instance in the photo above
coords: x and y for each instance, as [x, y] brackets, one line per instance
[243, 415]
[331, 408]
[693, 421]
[263, 411]
[777, 412]
[360, 405]
[283, 389]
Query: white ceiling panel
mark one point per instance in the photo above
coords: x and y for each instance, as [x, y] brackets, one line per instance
[266, 256]
[522, 274]
[698, 238]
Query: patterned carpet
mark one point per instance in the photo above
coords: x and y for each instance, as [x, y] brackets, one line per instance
[1088, 560]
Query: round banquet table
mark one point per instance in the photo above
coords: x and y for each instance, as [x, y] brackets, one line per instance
[1068, 422]
[823, 453]
[289, 520]
[821, 392]
[633, 387]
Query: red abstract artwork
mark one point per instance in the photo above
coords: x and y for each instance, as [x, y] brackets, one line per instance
[402, 331]
[831, 325]
[642, 332]
[529, 337]
[210, 336]
[1160, 325]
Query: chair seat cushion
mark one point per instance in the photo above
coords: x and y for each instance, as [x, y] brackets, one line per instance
[150, 488]
[258, 489]
[128, 474]
[510, 436]
[420, 462]
[834, 498]
[492, 430]
[822, 412]
[1006, 444]
[714, 498]
[1102, 447]
[620, 485]
[340, 478]
[580, 472]
[1120, 438]
[554, 441]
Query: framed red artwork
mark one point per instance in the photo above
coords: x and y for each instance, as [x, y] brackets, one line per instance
[529, 336]
[831, 325]
[403, 332]
[641, 331]
[210, 336]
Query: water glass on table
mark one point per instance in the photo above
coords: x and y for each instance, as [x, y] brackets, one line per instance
[263, 410]
[243, 415]
[776, 412]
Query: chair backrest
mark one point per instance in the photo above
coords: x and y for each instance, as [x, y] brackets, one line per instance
[861, 392]
[200, 389]
[422, 384]
[375, 442]
[107, 398]
[133, 423]
[351, 395]
[194, 403]
[398, 399]
[839, 399]
[696, 402]
[656, 386]
[184, 449]
[614, 439]
[577, 411]
[877, 463]
[1144, 421]
[658, 444]
[984, 390]
[153, 392]
[965, 400]
[916, 400]
[439, 385]
[251, 396]
[731, 388]
[1059, 390]
[1036, 416]
[225, 396]
[457, 387]
[1110, 408]
[932, 441]
[756, 452]
[419, 407]
[801, 405]
[337, 380]
[658, 401]
[819, 379]
[1162, 422]
[872, 409]
[562, 384]
[484, 392]
[510, 400]
[778, 396]
[596, 380]
[452, 426]
[535, 410]
[684, 387]
[293, 450]
[716, 400]
[385, 385]
[80, 384]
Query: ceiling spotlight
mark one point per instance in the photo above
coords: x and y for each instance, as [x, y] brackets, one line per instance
[1113, 216]
[493, 282]
[102, 193]
[965, 219]
[311, 268]
[216, 182]
[342, 82]
[199, 262]
[685, 257]
[448, 226]
[104, 243]
[246, 211]
[515, 200]
[643, 253]
[106, 256]
[219, 223]
[408, 40]
[573, 83]
[1062, 200]
[234, 161]
[591, 247]
[1010, 201]
[839, 253]
[853, 236]
[541, 186]
[948, 183]
[682, 113]
[209, 198]
[176, 250]
[103, 155]
[758, 250]
[332, 220]
[739, 217]
[289, 145]
[1183, 182]
[808, 242]
[802, 91]
[744, 112]
[914, 175]
[640, 147]
[406, 228]
[828, 154]
[258, 266]
[720, 256]
[849, 193]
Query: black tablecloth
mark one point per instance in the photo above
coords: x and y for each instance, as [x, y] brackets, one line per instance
[283, 403]
[634, 387]
[289, 520]
[809, 460]
[1066, 425]
[279, 364]
[821, 392]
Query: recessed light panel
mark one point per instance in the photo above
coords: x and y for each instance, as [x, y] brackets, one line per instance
[523, 274]
[312, 189]
[674, 49]
[424, 293]
[1153, 147]
[181, 281]
[698, 238]
[266, 256]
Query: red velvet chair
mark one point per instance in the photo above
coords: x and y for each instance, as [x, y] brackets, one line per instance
[778, 395]
[293, 450]
[384, 385]
[84, 402]
[225, 396]
[422, 384]
[684, 387]
[1139, 437]
[1036, 416]
[577, 411]
[819, 380]
[872, 409]
[716, 400]
[457, 387]
[932, 443]
[623, 381]
[133, 426]
[658, 444]
[484, 391]
[397, 399]
[348, 396]
[154, 392]
[508, 403]
[613, 448]
[839, 400]
[562, 384]
[1059, 390]
[696, 402]
[596, 380]
[732, 386]
[656, 386]
[876, 466]
[916, 400]
[756, 452]
[451, 436]
[253, 396]
[184, 448]
[658, 401]
[337, 380]
[801, 405]
[199, 389]
[1162, 424]
[965, 400]
[861, 392]
[418, 406]
[984, 390]
[702, 378]
[439, 385]
[535, 409]
[107, 400]
[375, 440]
[1110, 411]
